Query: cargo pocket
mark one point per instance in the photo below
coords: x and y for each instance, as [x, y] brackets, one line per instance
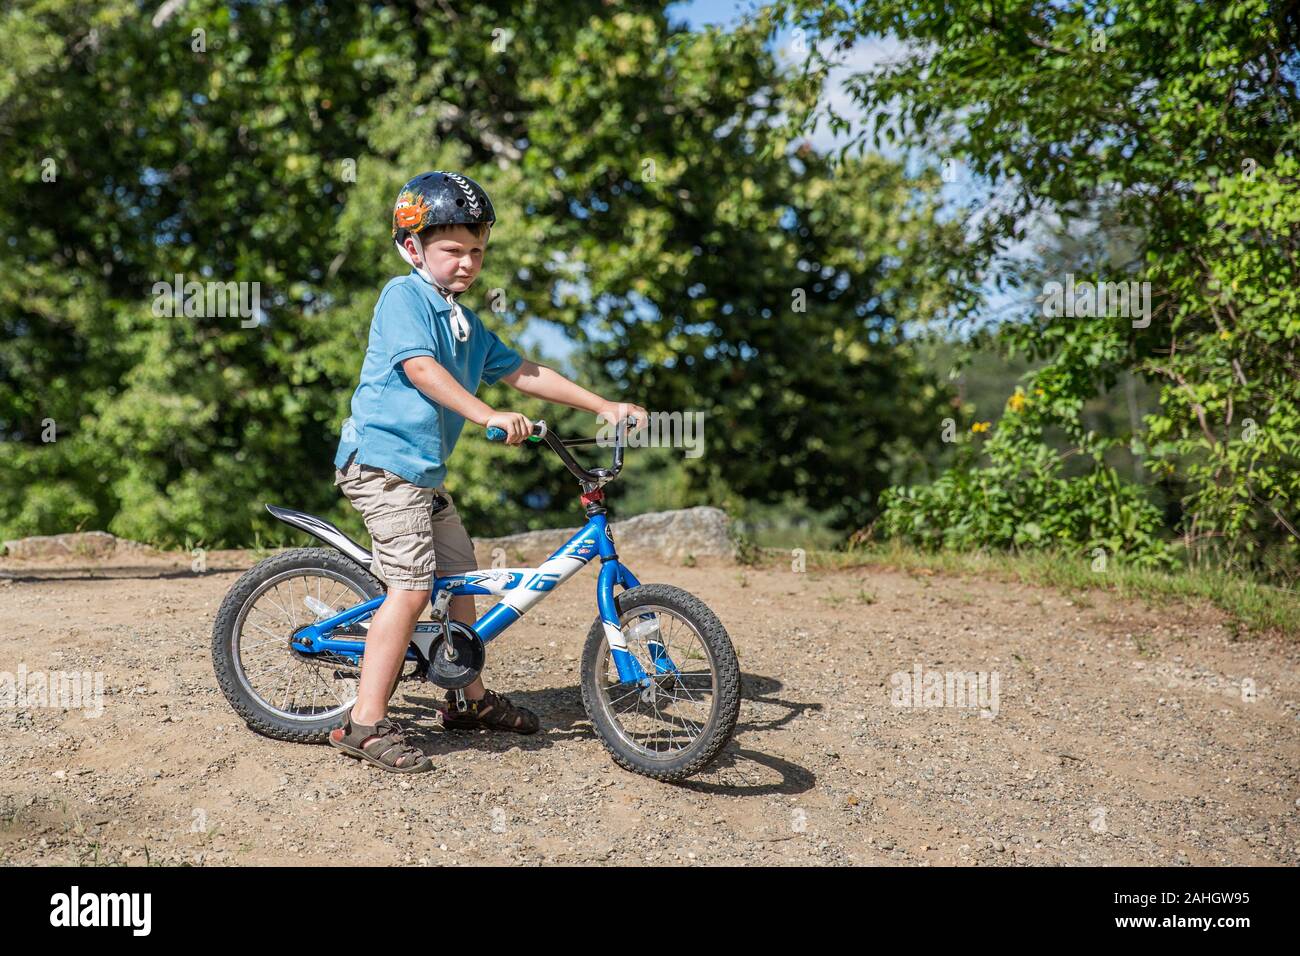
[402, 521]
[404, 541]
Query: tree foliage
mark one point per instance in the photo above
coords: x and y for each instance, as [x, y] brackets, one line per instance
[649, 205]
[1180, 117]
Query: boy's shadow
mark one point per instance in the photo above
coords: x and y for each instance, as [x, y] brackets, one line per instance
[564, 718]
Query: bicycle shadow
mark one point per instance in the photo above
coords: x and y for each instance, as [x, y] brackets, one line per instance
[564, 718]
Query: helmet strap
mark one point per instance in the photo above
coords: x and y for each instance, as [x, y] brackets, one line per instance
[459, 324]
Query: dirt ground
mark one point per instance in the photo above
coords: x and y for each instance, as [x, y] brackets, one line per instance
[1120, 734]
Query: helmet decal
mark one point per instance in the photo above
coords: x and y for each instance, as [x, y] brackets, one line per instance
[410, 210]
[470, 199]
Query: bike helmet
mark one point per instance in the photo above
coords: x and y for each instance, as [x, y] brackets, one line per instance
[439, 199]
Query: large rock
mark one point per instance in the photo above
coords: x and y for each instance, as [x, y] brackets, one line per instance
[670, 535]
[82, 544]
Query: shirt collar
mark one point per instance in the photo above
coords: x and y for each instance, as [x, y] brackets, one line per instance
[440, 304]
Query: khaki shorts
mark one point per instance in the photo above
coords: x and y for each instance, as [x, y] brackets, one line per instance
[410, 544]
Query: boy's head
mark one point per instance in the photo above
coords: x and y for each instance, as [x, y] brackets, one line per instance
[452, 255]
[441, 225]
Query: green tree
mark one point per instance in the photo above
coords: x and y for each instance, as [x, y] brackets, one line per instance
[1178, 116]
[647, 202]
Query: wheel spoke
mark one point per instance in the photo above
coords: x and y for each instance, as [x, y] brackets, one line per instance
[285, 682]
[271, 640]
[286, 612]
[666, 724]
[634, 690]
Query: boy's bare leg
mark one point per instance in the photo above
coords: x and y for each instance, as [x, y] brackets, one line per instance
[386, 642]
[464, 609]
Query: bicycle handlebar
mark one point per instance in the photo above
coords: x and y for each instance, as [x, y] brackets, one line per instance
[596, 476]
[499, 434]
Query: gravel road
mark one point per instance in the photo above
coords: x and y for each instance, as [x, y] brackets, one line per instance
[1107, 732]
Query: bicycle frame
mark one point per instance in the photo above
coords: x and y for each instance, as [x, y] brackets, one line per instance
[521, 589]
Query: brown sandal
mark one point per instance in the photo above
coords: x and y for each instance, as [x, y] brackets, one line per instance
[493, 712]
[382, 744]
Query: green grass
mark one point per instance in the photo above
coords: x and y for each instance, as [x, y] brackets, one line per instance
[1253, 608]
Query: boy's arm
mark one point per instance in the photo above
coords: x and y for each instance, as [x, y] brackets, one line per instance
[545, 383]
[427, 374]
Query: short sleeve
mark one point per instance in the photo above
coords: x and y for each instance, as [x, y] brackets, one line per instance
[500, 360]
[401, 317]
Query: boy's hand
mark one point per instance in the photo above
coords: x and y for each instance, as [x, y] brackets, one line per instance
[615, 412]
[516, 426]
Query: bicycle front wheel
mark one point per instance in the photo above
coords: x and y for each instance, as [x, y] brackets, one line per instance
[676, 721]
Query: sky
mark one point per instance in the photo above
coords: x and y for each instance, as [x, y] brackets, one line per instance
[702, 13]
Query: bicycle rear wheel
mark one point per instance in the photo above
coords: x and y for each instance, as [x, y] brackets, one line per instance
[280, 692]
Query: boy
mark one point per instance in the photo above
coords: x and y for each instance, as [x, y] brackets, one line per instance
[426, 356]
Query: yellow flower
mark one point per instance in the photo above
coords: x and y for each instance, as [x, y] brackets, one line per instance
[980, 427]
[1039, 392]
[1017, 401]
[1225, 335]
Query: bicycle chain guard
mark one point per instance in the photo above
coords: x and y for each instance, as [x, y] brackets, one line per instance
[470, 657]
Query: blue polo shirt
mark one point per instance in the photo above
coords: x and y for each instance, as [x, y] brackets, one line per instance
[393, 424]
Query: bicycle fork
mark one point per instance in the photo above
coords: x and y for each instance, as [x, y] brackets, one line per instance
[613, 573]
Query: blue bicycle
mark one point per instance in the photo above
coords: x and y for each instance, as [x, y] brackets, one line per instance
[659, 676]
